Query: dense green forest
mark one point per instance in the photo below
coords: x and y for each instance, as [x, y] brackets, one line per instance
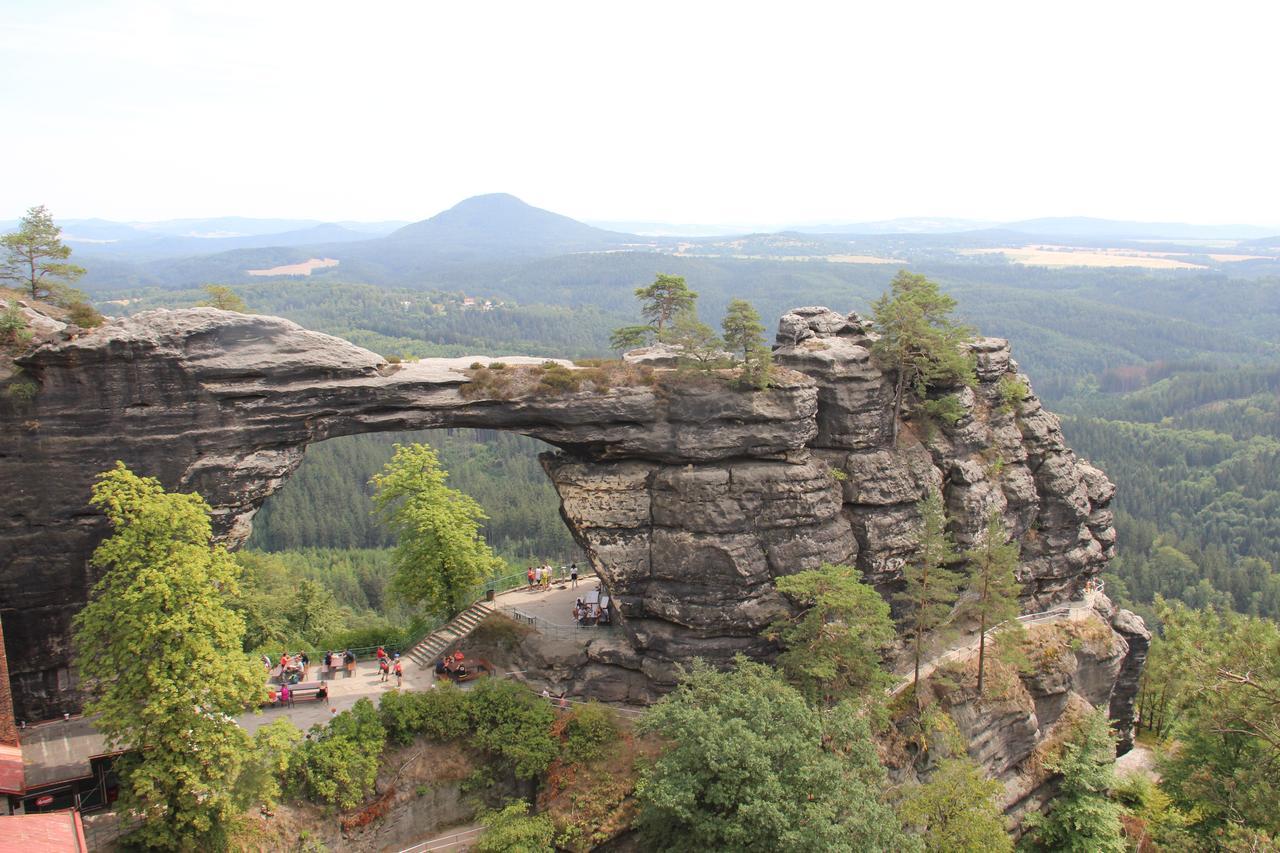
[402, 322]
[1196, 457]
[326, 503]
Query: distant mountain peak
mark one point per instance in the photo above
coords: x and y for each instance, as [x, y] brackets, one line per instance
[502, 222]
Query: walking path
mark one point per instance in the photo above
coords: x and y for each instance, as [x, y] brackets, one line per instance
[554, 604]
[1072, 611]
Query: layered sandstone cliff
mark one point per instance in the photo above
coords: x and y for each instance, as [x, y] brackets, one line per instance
[690, 498]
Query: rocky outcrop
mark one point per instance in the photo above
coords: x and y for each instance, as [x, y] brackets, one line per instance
[689, 497]
[1074, 664]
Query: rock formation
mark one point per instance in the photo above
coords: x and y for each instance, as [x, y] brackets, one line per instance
[689, 497]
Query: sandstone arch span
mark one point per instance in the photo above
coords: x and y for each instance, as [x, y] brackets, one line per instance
[688, 498]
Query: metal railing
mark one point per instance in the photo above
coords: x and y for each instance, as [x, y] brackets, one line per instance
[967, 649]
[552, 629]
[446, 842]
[499, 585]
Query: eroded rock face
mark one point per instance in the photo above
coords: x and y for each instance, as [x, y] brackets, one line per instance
[1074, 665]
[690, 499]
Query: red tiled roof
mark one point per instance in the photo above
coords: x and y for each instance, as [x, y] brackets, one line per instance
[12, 778]
[53, 832]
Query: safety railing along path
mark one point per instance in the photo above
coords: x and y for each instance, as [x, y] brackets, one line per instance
[927, 667]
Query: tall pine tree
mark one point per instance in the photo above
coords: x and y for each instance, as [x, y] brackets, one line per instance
[992, 563]
[930, 587]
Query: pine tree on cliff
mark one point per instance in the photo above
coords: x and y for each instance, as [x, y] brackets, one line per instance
[918, 340]
[930, 587]
[36, 259]
[743, 332]
[833, 645]
[992, 561]
[1082, 817]
[667, 298]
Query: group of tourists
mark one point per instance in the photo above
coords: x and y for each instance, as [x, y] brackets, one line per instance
[388, 664]
[590, 614]
[292, 668]
[335, 662]
[540, 577]
[284, 696]
[452, 666]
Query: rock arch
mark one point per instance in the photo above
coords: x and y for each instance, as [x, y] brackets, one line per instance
[689, 498]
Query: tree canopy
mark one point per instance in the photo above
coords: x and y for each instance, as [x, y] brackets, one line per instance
[1083, 818]
[930, 588]
[1224, 689]
[223, 297]
[439, 553]
[833, 644]
[158, 649]
[36, 258]
[957, 809]
[918, 340]
[744, 333]
[992, 562]
[664, 300]
[746, 769]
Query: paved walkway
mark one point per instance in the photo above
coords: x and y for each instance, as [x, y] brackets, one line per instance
[554, 604]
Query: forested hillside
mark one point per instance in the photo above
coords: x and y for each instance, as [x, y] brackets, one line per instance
[326, 504]
[1197, 460]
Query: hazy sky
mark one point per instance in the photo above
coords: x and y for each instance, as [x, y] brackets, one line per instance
[682, 112]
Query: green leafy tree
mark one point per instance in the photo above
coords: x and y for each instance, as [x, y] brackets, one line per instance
[1226, 703]
[338, 763]
[1083, 818]
[313, 612]
[957, 809]
[992, 563]
[746, 769]
[221, 296]
[273, 746]
[930, 588]
[510, 722]
[918, 340]
[667, 298]
[158, 648]
[36, 258]
[512, 828]
[439, 552]
[700, 347]
[630, 337]
[833, 644]
[743, 331]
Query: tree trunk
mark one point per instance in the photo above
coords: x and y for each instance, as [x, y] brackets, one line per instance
[1143, 699]
[915, 684]
[898, 390]
[982, 650]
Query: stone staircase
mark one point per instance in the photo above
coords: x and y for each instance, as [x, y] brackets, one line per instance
[430, 647]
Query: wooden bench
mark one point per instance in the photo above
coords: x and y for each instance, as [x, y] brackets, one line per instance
[302, 690]
[305, 689]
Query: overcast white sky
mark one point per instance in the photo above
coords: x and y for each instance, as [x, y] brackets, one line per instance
[687, 112]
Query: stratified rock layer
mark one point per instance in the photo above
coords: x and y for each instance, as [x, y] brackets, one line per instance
[689, 497]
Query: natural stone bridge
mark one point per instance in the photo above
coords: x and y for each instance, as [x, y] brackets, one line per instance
[689, 498]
